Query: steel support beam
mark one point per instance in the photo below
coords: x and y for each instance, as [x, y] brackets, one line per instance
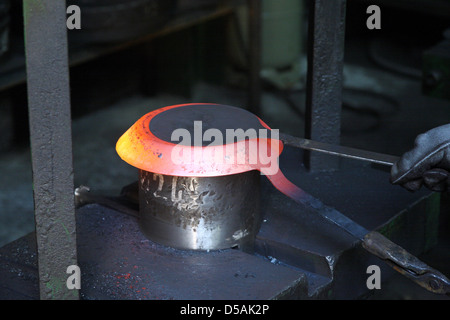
[324, 78]
[254, 56]
[51, 144]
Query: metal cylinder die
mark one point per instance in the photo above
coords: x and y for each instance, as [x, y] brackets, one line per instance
[200, 213]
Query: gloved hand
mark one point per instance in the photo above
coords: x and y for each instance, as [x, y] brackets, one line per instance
[428, 163]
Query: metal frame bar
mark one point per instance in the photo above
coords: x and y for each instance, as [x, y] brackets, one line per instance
[326, 37]
[254, 56]
[51, 144]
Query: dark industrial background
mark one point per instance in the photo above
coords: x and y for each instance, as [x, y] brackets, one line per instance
[395, 86]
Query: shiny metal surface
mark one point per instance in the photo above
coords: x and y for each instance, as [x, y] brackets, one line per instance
[200, 213]
[340, 151]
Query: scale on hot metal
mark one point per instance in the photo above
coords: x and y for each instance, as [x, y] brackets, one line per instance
[200, 227]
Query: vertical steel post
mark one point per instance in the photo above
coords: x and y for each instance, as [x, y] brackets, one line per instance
[326, 38]
[254, 56]
[51, 144]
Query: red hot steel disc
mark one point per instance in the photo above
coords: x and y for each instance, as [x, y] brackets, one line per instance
[190, 140]
[200, 140]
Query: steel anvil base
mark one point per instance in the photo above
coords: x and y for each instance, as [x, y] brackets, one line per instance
[297, 254]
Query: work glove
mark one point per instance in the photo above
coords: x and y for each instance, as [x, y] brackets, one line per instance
[428, 163]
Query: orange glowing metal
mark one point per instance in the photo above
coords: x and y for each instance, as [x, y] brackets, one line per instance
[141, 148]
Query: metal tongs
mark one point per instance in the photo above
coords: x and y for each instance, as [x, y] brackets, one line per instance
[406, 264]
[374, 242]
